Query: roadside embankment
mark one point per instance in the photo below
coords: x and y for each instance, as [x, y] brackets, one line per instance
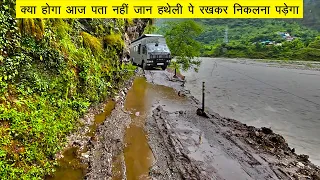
[187, 146]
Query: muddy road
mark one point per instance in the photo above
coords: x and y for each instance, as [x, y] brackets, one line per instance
[151, 131]
[187, 146]
[264, 94]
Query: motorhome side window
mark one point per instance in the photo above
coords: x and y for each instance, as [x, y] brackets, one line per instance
[139, 49]
[144, 50]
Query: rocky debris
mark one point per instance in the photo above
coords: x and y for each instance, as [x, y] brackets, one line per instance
[183, 93]
[250, 147]
[201, 112]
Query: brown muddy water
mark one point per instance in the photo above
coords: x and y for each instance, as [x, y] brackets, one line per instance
[139, 101]
[99, 118]
[70, 166]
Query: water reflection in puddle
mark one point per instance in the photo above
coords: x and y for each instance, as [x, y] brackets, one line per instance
[70, 166]
[138, 155]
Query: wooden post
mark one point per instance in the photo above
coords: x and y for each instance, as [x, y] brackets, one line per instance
[202, 96]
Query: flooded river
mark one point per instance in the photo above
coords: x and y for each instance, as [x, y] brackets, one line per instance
[287, 100]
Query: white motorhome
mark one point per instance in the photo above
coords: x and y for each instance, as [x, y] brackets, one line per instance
[150, 51]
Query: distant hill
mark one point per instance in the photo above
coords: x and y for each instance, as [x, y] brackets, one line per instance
[252, 30]
[247, 37]
[311, 14]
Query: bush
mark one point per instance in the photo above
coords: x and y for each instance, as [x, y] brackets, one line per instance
[48, 79]
[92, 43]
[113, 40]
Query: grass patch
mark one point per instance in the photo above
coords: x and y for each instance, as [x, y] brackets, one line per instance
[91, 42]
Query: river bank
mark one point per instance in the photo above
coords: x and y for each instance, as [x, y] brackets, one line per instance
[254, 93]
[290, 64]
[192, 147]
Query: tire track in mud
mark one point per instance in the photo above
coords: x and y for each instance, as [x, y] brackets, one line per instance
[229, 149]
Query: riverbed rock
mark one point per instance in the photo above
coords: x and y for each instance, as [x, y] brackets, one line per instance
[266, 130]
[303, 157]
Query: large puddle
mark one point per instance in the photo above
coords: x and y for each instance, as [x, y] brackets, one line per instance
[138, 155]
[70, 166]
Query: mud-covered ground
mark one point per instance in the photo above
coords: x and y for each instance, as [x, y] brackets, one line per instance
[187, 146]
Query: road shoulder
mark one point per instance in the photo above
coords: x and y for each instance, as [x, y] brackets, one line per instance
[187, 146]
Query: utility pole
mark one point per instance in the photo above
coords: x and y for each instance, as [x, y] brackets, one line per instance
[203, 97]
[200, 111]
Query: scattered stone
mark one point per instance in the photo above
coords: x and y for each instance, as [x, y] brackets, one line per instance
[85, 155]
[266, 130]
[202, 113]
[300, 164]
[116, 98]
[303, 158]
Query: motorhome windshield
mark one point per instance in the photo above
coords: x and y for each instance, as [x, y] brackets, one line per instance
[158, 40]
[153, 47]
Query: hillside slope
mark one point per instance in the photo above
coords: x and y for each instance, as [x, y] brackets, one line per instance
[51, 71]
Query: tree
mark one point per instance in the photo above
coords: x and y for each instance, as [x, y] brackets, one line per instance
[150, 28]
[315, 43]
[181, 39]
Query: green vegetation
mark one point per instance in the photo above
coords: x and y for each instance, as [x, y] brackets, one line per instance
[181, 40]
[246, 37]
[51, 71]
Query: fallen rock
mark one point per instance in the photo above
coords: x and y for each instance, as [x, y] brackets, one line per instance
[300, 164]
[266, 130]
[202, 113]
[303, 158]
[85, 155]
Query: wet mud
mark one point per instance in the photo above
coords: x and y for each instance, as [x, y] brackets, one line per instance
[153, 132]
[70, 164]
[137, 154]
[188, 146]
[140, 100]
[105, 152]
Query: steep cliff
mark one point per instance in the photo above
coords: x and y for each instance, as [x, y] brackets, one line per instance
[51, 71]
